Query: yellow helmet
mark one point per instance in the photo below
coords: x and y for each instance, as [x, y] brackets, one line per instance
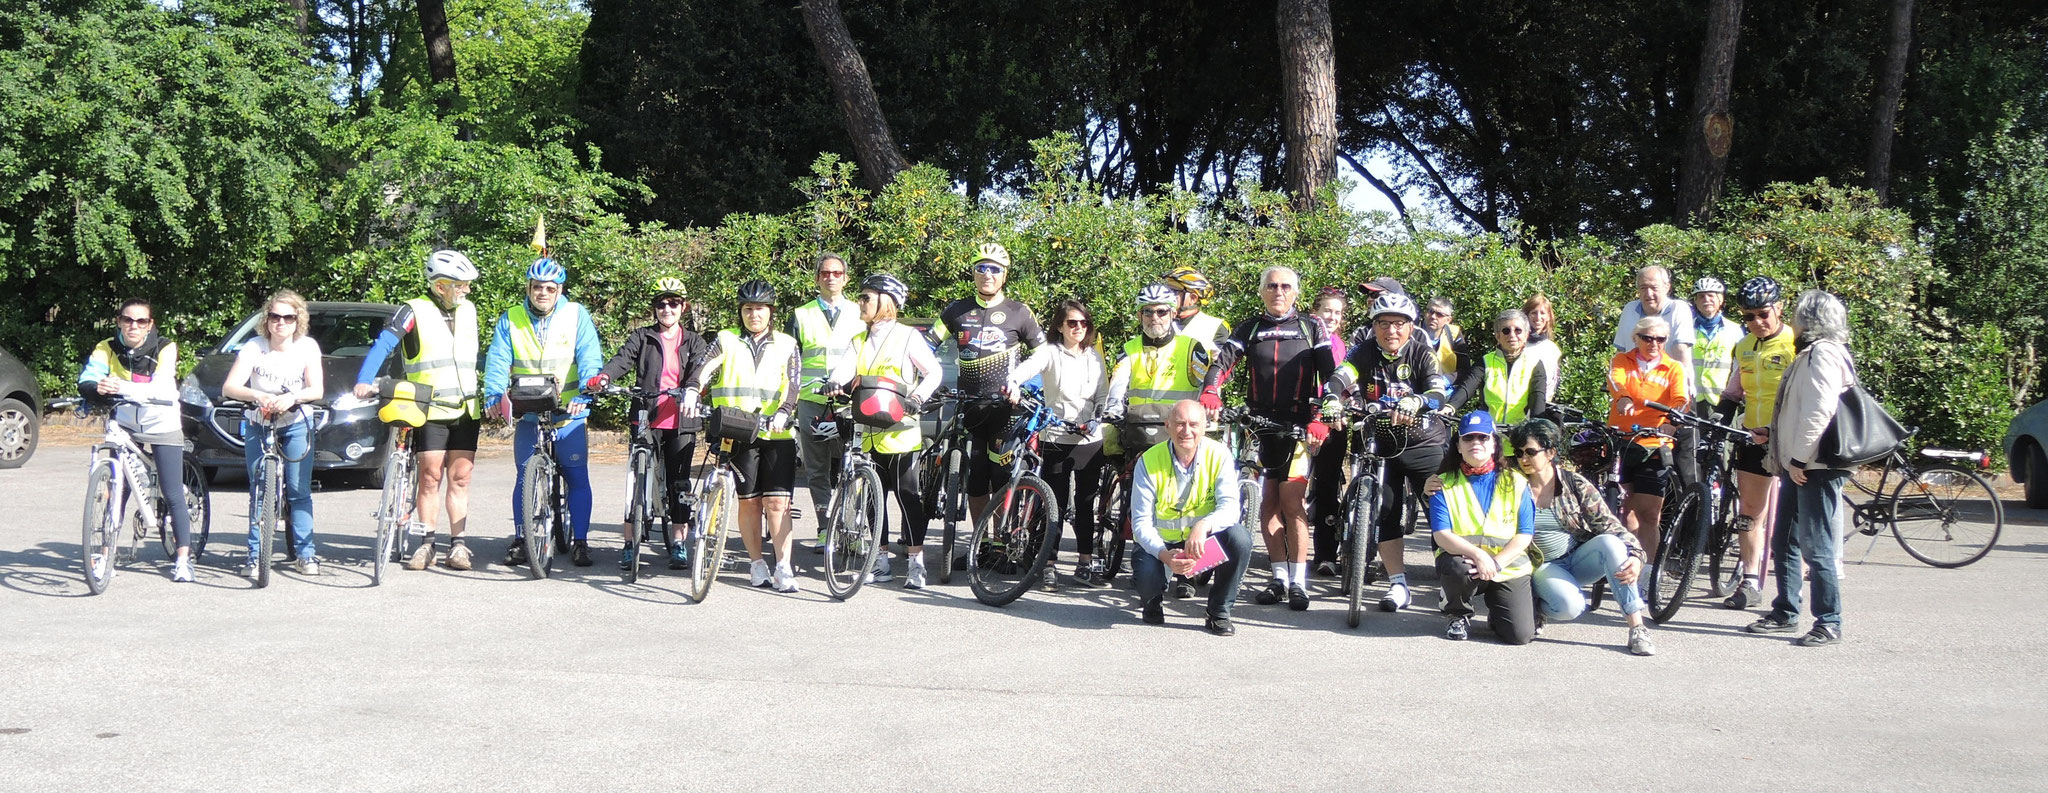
[993, 252]
[1190, 280]
[671, 286]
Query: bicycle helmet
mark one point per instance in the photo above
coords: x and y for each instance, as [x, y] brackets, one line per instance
[993, 252]
[757, 291]
[450, 266]
[547, 269]
[1759, 292]
[670, 287]
[1393, 303]
[1709, 284]
[1190, 280]
[886, 284]
[1157, 294]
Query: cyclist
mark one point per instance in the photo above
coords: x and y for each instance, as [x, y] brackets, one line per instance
[1183, 493]
[1653, 293]
[1362, 335]
[1760, 361]
[547, 334]
[1543, 341]
[1326, 474]
[1288, 355]
[1194, 291]
[897, 357]
[1395, 366]
[992, 334]
[1577, 540]
[661, 357]
[276, 371]
[756, 372]
[1076, 386]
[1634, 378]
[437, 335]
[1713, 346]
[1158, 368]
[1509, 383]
[824, 329]
[1483, 520]
[139, 363]
[1445, 337]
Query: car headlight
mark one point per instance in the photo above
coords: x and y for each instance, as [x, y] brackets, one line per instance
[190, 393]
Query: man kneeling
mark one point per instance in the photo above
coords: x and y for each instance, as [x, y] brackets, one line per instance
[1184, 492]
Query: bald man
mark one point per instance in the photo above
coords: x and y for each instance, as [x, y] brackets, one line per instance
[1183, 493]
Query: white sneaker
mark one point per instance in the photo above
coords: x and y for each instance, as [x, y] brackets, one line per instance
[249, 570]
[1397, 598]
[785, 581]
[915, 580]
[308, 565]
[881, 572]
[757, 575]
[181, 571]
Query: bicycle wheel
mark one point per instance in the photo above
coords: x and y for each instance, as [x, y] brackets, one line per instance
[1012, 542]
[1360, 509]
[1681, 536]
[1112, 522]
[537, 514]
[1724, 548]
[639, 510]
[856, 531]
[1250, 489]
[707, 544]
[102, 525]
[1946, 516]
[198, 506]
[393, 513]
[268, 513]
[955, 504]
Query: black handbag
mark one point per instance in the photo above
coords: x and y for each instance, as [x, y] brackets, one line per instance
[1861, 432]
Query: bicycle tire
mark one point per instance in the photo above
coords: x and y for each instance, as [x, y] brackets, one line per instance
[268, 516]
[1724, 560]
[856, 531]
[714, 521]
[558, 530]
[1680, 537]
[198, 510]
[101, 527]
[639, 477]
[955, 502]
[1359, 547]
[392, 515]
[1112, 522]
[1938, 525]
[1014, 534]
[1250, 491]
[536, 511]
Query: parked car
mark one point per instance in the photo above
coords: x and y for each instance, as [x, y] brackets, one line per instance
[352, 439]
[21, 411]
[2025, 439]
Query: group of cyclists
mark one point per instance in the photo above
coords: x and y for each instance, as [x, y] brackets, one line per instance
[1474, 435]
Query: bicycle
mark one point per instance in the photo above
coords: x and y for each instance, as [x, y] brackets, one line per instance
[398, 528]
[946, 474]
[1014, 537]
[1113, 512]
[1930, 509]
[1250, 473]
[1694, 520]
[1366, 473]
[543, 499]
[117, 472]
[646, 478]
[852, 524]
[268, 487]
[713, 502]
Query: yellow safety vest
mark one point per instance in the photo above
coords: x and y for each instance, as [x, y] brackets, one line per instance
[1507, 386]
[825, 344]
[1762, 363]
[1712, 359]
[446, 361]
[876, 359]
[1178, 505]
[1204, 327]
[1491, 530]
[1447, 351]
[754, 387]
[555, 355]
[1161, 376]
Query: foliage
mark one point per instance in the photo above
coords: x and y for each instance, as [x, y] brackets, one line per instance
[1996, 238]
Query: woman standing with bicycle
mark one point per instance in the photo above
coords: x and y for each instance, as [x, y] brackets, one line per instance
[1577, 540]
[1076, 385]
[136, 362]
[1760, 361]
[1326, 474]
[892, 355]
[661, 356]
[276, 371]
[1809, 393]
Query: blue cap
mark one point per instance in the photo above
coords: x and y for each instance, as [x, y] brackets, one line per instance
[1475, 423]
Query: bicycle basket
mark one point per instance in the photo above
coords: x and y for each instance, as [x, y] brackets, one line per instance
[534, 393]
[1588, 451]
[406, 404]
[878, 402]
[732, 424]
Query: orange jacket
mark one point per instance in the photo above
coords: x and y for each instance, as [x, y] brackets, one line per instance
[1663, 383]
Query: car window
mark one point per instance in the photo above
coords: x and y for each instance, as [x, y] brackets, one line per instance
[338, 332]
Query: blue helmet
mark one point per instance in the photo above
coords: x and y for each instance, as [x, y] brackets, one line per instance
[547, 269]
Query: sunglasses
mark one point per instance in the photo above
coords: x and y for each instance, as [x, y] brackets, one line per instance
[987, 269]
[1512, 331]
[1077, 323]
[137, 321]
[1154, 312]
[1652, 339]
[289, 318]
[831, 273]
[1397, 322]
[1531, 451]
[668, 303]
[1752, 316]
[1281, 287]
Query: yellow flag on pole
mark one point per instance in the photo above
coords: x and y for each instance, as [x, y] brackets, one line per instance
[540, 235]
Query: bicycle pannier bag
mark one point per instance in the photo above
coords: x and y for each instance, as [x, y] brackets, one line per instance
[533, 393]
[733, 424]
[879, 402]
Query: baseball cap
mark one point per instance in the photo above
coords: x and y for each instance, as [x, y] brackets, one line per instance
[1478, 422]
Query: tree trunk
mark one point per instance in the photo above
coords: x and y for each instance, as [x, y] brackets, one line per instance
[873, 145]
[1308, 85]
[1877, 169]
[299, 17]
[440, 52]
[1712, 129]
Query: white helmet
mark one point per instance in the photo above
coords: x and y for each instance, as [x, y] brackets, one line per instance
[450, 266]
[1157, 294]
[1393, 303]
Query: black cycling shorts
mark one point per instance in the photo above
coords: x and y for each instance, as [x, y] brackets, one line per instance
[1643, 470]
[766, 468]
[452, 435]
[1749, 458]
[1282, 458]
[985, 425]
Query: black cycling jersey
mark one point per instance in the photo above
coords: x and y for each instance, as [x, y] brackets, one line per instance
[1290, 359]
[991, 339]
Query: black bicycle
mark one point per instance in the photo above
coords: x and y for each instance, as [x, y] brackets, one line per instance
[1944, 513]
[544, 495]
[1375, 439]
[945, 472]
[1697, 518]
[647, 501]
[1015, 539]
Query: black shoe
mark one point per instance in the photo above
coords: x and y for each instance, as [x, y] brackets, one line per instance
[1772, 625]
[1273, 593]
[579, 554]
[1744, 597]
[1154, 613]
[1460, 630]
[1297, 598]
[515, 556]
[1821, 636]
[1182, 590]
[1221, 626]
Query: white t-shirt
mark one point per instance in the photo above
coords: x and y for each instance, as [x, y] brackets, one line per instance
[277, 371]
[1676, 313]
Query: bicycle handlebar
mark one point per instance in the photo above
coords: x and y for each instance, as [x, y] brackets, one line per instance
[1262, 425]
[1683, 418]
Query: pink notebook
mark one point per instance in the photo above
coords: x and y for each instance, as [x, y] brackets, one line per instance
[1212, 555]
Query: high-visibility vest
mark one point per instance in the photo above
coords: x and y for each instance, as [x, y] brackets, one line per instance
[1491, 530]
[555, 355]
[1712, 359]
[1177, 505]
[1160, 376]
[824, 343]
[1446, 346]
[890, 357]
[1507, 386]
[1204, 327]
[1762, 364]
[446, 361]
[744, 384]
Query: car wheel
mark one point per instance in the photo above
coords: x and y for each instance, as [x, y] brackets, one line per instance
[19, 428]
[2037, 476]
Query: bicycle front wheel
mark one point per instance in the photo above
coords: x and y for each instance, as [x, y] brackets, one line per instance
[1112, 522]
[640, 501]
[707, 545]
[102, 525]
[1013, 542]
[537, 513]
[855, 533]
[393, 513]
[954, 501]
[1360, 513]
[268, 512]
[1250, 490]
[1681, 536]
[1946, 516]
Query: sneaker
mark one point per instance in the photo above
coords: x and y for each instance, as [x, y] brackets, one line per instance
[1772, 625]
[423, 557]
[1397, 598]
[1153, 613]
[880, 572]
[757, 574]
[1182, 590]
[1220, 626]
[308, 565]
[1539, 625]
[1273, 593]
[250, 569]
[1050, 582]
[628, 559]
[1297, 598]
[1821, 636]
[579, 554]
[458, 557]
[181, 570]
[785, 581]
[914, 579]
[515, 556]
[1744, 597]
[1326, 569]
[1639, 641]
[1084, 574]
[1460, 630]
[678, 556]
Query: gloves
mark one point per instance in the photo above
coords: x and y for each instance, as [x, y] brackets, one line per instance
[1211, 401]
[688, 404]
[912, 406]
[778, 422]
[1333, 407]
[1410, 404]
[1317, 431]
[596, 383]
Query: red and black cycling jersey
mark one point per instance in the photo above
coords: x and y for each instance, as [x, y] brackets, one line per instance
[992, 340]
[1370, 375]
[1289, 358]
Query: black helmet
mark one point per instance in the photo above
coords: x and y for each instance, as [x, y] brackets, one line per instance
[884, 283]
[1758, 292]
[757, 291]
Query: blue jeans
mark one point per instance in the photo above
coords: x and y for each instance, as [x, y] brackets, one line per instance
[1150, 574]
[1806, 528]
[1558, 583]
[294, 442]
[572, 455]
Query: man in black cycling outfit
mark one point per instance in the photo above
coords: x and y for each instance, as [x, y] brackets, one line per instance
[1289, 356]
[992, 334]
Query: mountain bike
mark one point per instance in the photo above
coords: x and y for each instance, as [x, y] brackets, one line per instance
[647, 501]
[951, 464]
[1244, 431]
[1944, 513]
[1014, 539]
[1113, 513]
[851, 527]
[712, 504]
[1695, 519]
[267, 488]
[1375, 439]
[124, 501]
[544, 494]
